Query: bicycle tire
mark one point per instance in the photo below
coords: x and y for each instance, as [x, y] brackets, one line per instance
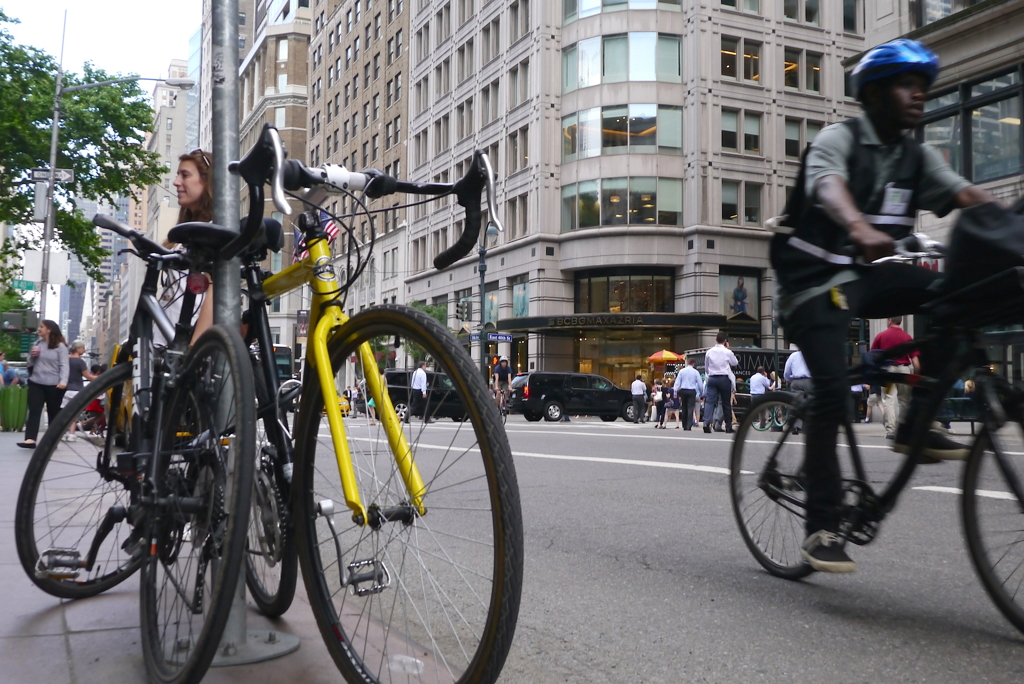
[468, 547]
[81, 498]
[987, 502]
[206, 456]
[271, 562]
[773, 532]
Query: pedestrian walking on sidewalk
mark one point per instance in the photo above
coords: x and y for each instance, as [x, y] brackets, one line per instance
[48, 362]
[78, 373]
[887, 339]
[689, 388]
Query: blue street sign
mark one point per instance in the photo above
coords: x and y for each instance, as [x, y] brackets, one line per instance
[498, 337]
[474, 337]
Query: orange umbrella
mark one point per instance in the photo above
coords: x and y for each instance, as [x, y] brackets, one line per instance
[664, 356]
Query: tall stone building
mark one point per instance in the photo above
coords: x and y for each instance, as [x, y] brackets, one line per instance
[358, 117]
[168, 141]
[273, 89]
[640, 147]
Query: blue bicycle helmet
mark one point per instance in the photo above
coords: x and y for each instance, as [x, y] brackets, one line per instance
[893, 58]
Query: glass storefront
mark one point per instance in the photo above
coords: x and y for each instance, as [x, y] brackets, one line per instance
[620, 355]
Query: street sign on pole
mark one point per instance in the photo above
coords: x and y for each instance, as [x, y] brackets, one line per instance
[19, 284]
[59, 175]
[498, 337]
[474, 337]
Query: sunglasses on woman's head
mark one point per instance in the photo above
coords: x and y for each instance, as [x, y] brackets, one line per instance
[202, 154]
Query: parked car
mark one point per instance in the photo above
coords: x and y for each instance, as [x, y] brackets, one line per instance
[551, 395]
[442, 399]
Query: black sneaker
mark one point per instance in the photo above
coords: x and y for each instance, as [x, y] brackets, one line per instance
[824, 552]
[937, 447]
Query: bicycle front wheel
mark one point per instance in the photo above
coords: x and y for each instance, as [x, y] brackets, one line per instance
[70, 488]
[767, 488]
[196, 528]
[993, 517]
[420, 594]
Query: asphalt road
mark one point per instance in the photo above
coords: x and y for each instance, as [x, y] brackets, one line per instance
[636, 572]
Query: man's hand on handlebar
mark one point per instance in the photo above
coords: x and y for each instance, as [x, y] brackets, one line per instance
[872, 243]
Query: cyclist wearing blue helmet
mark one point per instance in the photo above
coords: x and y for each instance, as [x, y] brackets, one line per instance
[861, 185]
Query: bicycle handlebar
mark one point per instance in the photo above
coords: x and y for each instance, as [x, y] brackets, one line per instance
[143, 244]
[914, 246]
[265, 163]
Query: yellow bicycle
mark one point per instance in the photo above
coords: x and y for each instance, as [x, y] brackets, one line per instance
[408, 530]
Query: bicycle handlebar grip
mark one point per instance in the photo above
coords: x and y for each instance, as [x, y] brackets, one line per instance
[467, 189]
[141, 242]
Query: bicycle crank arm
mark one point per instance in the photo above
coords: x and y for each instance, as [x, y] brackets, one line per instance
[115, 515]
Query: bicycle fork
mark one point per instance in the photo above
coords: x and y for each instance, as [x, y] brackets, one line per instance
[386, 413]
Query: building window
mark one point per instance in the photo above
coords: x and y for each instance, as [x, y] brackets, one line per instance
[464, 120]
[802, 11]
[636, 200]
[465, 11]
[851, 16]
[443, 23]
[518, 20]
[615, 58]
[489, 103]
[170, 123]
[578, 9]
[799, 134]
[622, 290]
[989, 118]
[518, 150]
[490, 41]
[743, 5]
[802, 70]
[732, 208]
[464, 61]
[620, 129]
[733, 121]
[732, 50]
[519, 84]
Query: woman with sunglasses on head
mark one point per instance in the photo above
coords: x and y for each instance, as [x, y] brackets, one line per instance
[193, 184]
[48, 362]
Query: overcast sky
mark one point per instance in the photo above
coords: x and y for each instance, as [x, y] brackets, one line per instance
[119, 36]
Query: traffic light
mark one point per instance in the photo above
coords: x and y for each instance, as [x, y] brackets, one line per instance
[465, 310]
[495, 360]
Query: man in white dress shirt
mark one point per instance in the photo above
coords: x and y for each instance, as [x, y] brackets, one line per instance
[717, 362]
[639, 389]
[419, 394]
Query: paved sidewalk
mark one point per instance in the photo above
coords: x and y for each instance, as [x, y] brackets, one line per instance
[45, 639]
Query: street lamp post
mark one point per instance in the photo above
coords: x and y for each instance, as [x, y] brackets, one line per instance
[51, 215]
[482, 267]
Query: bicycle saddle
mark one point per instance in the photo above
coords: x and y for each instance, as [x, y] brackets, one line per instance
[196, 234]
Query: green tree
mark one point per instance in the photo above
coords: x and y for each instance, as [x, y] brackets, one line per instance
[437, 311]
[102, 139]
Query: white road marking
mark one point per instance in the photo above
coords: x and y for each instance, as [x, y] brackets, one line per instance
[956, 490]
[593, 459]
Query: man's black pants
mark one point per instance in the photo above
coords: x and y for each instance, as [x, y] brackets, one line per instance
[719, 387]
[687, 402]
[820, 329]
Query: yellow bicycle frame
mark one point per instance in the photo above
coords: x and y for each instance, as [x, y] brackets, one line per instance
[325, 319]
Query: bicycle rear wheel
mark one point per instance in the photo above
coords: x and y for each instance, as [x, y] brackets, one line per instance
[271, 563]
[431, 596]
[202, 477]
[766, 484]
[993, 518]
[69, 489]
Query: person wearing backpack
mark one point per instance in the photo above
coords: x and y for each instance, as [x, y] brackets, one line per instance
[860, 186]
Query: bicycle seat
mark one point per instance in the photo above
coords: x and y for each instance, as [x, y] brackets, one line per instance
[196, 234]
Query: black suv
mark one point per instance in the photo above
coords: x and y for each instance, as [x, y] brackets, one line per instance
[442, 399]
[551, 395]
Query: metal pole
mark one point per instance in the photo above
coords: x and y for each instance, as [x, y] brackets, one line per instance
[483, 303]
[48, 225]
[238, 646]
[227, 288]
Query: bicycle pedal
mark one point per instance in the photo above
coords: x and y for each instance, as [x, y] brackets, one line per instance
[377, 575]
[59, 564]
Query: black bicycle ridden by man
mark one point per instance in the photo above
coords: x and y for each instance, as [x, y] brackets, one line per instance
[861, 184]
